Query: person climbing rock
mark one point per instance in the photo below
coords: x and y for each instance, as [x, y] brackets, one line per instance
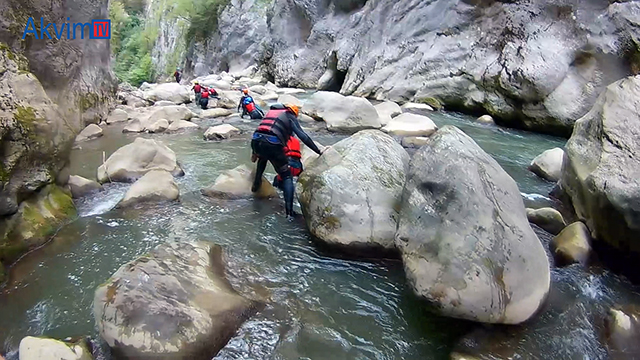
[197, 89]
[268, 145]
[292, 151]
[249, 106]
[178, 75]
[204, 98]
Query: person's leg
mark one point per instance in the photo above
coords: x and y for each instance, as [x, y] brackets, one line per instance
[257, 148]
[280, 163]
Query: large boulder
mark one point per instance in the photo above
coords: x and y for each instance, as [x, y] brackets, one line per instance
[117, 115]
[38, 348]
[182, 125]
[134, 126]
[289, 99]
[410, 125]
[548, 165]
[549, 219]
[258, 89]
[601, 172]
[465, 240]
[236, 184]
[173, 92]
[307, 155]
[91, 132]
[80, 186]
[221, 132]
[132, 161]
[171, 113]
[158, 126]
[173, 303]
[349, 195]
[387, 110]
[229, 99]
[348, 114]
[154, 186]
[572, 245]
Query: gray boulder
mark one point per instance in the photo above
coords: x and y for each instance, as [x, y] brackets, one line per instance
[601, 173]
[548, 165]
[348, 114]
[132, 161]
[173, 92]
[349, 195]
[572, 245]
[154, 186]
[39, 348]
[80, 186]
[91, 132]
[236, 184]
[548, 219]
[173, 303]
[117, 115]
[465, 241]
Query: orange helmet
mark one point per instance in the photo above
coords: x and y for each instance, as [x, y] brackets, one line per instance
[294, 108]
[245, 91]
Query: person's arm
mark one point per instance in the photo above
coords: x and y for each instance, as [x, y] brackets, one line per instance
[306, 139]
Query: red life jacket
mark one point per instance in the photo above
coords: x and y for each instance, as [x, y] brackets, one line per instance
[250, 107]
[205, 94]
[197, 88]
[276, 123]
[293, 148]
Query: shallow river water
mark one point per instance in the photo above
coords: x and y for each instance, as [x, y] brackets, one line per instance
[320, 306]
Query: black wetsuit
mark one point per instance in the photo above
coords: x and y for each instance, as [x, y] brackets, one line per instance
[268, 144]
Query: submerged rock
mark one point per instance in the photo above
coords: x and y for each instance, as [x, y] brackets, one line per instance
[117, 116]
[80, 186]
[466, 243]
[410, 125]
[221, 132]
[174, 303]
[154, 186]
[348, 114]
[548, 165]
[387, 110]
[547, 218]
[38, 348]
[485, 119]
[173, 92]
[601, 173]
[91, 132]
[132, 161]
[572, 245]
[349, 195]
[236, 184]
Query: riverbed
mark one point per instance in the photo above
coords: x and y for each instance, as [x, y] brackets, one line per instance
[320, 305]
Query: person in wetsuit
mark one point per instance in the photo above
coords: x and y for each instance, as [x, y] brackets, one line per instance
[197, 89]
[268, 145]
[249, 106]
[292, 151]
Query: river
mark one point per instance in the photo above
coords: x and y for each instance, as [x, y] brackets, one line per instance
[320, 306]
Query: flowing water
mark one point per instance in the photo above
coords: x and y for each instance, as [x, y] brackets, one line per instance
[320, 306]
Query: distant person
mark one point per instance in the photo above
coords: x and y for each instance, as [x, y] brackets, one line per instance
[268, 145]
[204, 98]
[178, 75]
[292, 151]
[249, 106]
[197, 89]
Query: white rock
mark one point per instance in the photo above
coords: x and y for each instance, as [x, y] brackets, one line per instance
[388, 110]
[134, 126]
[173, 92]
[170, 113]
[236, 184]
[158, 126]
[485, 119]
[221, 132]
[409, 124]
[182, 125]
[154, 186]
[80, 186]
[548, 165]
[348, 114]
[117, 115]
[416, 106]
[36, 348]
[164, 103]
[91, 132]
[214, 113]
[289, 99]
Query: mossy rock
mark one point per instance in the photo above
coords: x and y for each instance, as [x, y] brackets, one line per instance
[431, 101]
[37, 219]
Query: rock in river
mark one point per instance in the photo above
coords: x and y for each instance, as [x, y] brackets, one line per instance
[154, 186]
[80, 186]
[91, 132]
[548, 165]
[348, 114]
[39, 348]
[173, 303]
[158, 126]
[387, 110]
[622, 331]
[466, 243]
[572, 245]
[117, 115]
[132, 161]
[350, 194]
[601, 173]
[173, 92]
[236, 184]
[221, 132]
[410, 125]
[547, 218]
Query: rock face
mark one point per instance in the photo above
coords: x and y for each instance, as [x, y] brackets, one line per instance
[236, 184]
[35, 348]
[484, 56]
[348, 114]
[36, 219]
[465, 241]
[221, 132]
[572, 245]
[548, 165]
[174, 303]
[131, 162]
[350, 195]
[387, 110]
[601, 173]
[410, 125]
[80, 186]
[547, 218]
[173, 92]
[154, 186]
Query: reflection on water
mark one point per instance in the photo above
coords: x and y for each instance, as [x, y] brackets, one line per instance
[318, 306]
